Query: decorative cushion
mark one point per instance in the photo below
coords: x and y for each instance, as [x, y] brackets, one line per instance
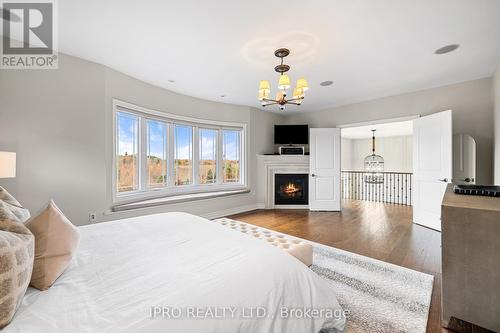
[16, 262]
[21, 213]
[56, 241]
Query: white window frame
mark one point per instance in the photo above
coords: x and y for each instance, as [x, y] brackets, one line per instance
[144, 193]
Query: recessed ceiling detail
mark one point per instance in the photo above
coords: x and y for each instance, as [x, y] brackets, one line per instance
[304, 45]
[326, 83]
[370, 48]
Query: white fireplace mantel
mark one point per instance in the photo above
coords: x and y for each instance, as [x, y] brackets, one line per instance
[268, 166]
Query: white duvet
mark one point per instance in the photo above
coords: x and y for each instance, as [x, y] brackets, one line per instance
[176, 272]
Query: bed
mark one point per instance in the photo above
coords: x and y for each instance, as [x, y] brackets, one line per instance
[176, 272]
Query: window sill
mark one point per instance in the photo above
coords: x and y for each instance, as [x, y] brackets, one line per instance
[146, 203]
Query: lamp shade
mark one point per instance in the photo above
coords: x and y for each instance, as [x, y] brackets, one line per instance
[302, 84]
[264, 86]
[284, 82]
[7, 164]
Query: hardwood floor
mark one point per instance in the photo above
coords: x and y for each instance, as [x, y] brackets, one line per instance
[377, 230]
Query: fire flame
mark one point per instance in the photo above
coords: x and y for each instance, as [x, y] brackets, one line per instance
[290, 188]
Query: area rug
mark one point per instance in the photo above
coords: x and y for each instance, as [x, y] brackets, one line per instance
[377, 296]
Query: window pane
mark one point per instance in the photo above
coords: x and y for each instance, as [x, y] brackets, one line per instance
[183, 163]
[208, 156]
[157, 154]
[231, 156]
[127, 132]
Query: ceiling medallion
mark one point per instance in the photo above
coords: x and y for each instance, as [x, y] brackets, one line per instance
[283, 85]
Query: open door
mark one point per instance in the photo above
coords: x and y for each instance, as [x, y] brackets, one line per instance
[324, 169]
[464, 159]
[432, 166]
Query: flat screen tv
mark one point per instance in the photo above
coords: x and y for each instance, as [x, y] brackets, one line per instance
[291, 134]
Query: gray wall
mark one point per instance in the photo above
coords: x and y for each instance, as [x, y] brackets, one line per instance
[59, 123]
[471, 102]
[496, 92]
[396, 150]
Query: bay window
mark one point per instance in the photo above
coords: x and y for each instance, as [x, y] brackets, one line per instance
[127, 164]
[208, 156]
[231, 155]
[159, 154]
[183, 163]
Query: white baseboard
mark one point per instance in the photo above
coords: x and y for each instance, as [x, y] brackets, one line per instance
[230, 211]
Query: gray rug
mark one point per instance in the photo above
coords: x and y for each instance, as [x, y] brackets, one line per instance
[378, 296]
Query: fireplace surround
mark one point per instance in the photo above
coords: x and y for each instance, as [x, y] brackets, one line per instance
[270, 165]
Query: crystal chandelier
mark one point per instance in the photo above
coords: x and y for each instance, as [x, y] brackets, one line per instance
[374, 166]
[283, 85]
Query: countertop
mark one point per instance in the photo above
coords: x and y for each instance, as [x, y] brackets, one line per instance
[451, 199]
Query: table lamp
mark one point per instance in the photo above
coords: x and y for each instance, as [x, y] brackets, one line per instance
[7, 164]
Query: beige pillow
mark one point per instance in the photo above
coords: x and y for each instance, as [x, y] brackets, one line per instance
[16, 262]
[21, 213]
[56, 241]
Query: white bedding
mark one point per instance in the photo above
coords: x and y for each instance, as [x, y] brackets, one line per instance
[126, 270]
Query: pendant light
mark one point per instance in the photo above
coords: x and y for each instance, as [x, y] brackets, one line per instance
[374, 166]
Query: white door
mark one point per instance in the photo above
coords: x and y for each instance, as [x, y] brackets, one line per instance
[432, 166]
[324, 169]
[464, 159]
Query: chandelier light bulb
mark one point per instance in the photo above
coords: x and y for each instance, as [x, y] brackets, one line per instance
[279, 95]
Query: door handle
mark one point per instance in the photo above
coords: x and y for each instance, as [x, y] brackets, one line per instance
[444, 180]
[313, 175]
[467, 180]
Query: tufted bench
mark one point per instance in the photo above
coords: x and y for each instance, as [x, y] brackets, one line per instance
[296, 247]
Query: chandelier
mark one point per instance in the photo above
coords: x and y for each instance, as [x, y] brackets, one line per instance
[374, 166]
[283, 85]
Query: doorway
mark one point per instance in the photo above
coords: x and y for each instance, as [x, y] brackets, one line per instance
[392, 142]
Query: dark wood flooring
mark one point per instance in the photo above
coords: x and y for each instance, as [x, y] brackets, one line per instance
[377, 230]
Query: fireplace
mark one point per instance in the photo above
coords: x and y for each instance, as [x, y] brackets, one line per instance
[291, 189]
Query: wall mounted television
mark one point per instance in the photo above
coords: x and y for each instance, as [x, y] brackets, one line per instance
[291, 134]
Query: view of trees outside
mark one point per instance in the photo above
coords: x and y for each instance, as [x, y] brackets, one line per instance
[127, 146]
[157, 154]
[183, 151]
[208, 156]
[231, 157]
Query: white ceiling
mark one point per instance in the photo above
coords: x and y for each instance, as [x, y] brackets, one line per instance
[369, 48]
[382, 130]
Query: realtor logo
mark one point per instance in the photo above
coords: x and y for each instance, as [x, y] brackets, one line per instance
[29, 33]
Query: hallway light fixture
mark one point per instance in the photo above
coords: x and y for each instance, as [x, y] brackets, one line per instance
[374, 166]
[284, 84]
